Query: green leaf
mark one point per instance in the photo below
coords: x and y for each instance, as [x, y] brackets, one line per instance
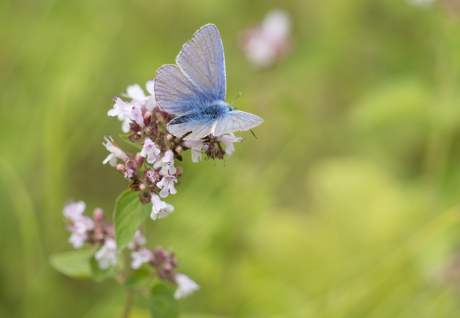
[139, 278]
[125, 138]
[74, 263]
[162, 302]
[128, 216]
[99, 274]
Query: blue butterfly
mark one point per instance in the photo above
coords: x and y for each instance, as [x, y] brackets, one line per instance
[194, 90]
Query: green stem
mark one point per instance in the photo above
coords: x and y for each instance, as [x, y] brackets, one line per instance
[129, 303]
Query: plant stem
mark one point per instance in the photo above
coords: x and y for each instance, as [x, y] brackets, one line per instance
[129, 303]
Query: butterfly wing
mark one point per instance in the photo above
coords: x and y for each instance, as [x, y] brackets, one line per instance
[236, 121]
[175, 93]
[202, 60]
[199, 128]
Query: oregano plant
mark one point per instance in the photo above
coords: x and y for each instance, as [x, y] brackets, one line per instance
[184, 110]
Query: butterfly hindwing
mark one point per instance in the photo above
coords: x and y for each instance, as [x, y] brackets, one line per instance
[202, 60]
[236, 121]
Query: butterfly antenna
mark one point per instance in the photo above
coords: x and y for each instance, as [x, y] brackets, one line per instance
[253, 133]
[239, 94]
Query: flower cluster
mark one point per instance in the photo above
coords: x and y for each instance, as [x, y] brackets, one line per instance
[101, 234]
[152, 171]
[264, 43]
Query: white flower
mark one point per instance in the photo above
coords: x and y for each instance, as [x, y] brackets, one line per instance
[150, 151]
[166, 163]
[107, 254]
[228, 140]
[196, 147]
[138, 240]
[186, 286]
[160, 209]
[79, 229]
[151, 102]
[74, 210]
[80, 224]
[263, 44]
[115, 152]
[167, 186]
[136, 93]
[141, 256]
[134, 112]
[119, 109]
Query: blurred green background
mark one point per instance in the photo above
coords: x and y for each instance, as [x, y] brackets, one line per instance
[345, 205]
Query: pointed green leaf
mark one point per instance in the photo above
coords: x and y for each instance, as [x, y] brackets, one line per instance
[74, 263]
[128, 216]
[99, 274]
[162, 302]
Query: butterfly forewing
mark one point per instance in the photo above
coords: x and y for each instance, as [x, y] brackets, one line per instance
[175, 93]
[236, 121]
[202, 60]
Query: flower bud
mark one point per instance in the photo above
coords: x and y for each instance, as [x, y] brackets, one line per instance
[169, 137]
[121, 168]
[139, 160]
[179, 171]
[98, 215]
[147, 118]
[178, 149]
[142, 186]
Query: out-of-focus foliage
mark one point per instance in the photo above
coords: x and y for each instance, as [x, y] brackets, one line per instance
[345, 205]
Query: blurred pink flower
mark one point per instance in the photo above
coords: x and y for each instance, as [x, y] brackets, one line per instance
[264, 43]
[141, 256]
[186, 286]
[107, 254]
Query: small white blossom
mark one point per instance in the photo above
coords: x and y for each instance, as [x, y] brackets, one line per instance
[119, 110]
[151, 102]
[160, 209]
[228, 140]
[74, 210]
[186, 286]
[150, 150]
[196, 146]
[79, 229]
[166, 163]
[138, 240]
[107, 254]
[115, 152]
[167, 186]
[134, 112]
[141, 256]
[136, 93]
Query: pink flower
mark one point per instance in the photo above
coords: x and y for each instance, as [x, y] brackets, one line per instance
[80, 224]
[264, 43]
[186, 286]
[228, 140]
[196, 146]
[141, 256]
[166, 164]
[74, 210]
[115, 152]
[160, 209]
[119, 110]
[150, 151]
[167, 186]
[138, 240]
[79, 229]
[107, 254]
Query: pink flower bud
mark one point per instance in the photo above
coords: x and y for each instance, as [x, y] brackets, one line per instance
[139, 160]
[98, 215]
[169, 137]
[147, 118]
[121, 168]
